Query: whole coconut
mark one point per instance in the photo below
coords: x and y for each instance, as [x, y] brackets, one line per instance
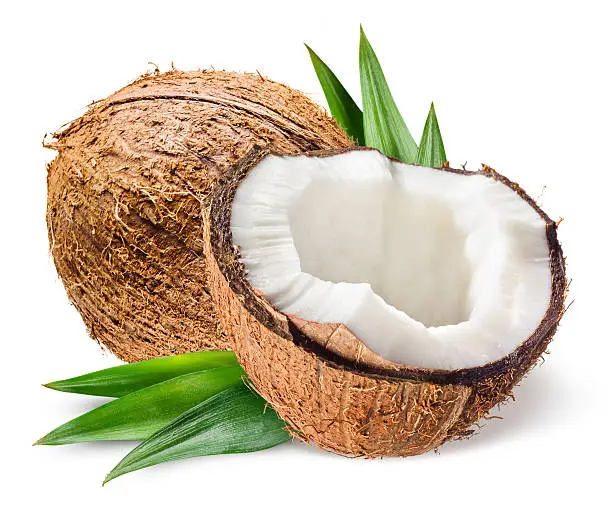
[126, 192]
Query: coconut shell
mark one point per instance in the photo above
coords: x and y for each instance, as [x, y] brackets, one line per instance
[333, 391]
[125, 194]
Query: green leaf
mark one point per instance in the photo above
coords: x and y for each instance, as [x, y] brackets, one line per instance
[233, 421]
[140, 414]
[383, 125]
[431, 150]
[125, 379]
[341, 104]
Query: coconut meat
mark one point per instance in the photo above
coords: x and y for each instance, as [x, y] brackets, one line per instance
[426, 267]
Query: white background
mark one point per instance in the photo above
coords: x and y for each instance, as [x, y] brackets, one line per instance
[522, 86]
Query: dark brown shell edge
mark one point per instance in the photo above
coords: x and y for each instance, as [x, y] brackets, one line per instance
[267, 343]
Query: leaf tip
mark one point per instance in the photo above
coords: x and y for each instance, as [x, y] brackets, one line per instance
[314, 58]
[114, 473]
[432, 112]
[363, 39]
[119, 470]
[61, 385]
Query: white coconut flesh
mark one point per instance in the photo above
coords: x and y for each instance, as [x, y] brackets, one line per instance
[428, 268]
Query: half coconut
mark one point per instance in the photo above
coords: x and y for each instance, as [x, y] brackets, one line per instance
[381, 308]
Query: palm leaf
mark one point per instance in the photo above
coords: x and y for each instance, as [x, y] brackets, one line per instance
[341, 104]
[125, 379]
[233, 421]
[431, 149]
[383, 125]
[140, 414]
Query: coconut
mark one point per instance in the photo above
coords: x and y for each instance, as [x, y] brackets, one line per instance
[381, 308]
[125, 194]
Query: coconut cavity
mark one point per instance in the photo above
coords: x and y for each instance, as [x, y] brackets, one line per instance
[126, 192]
[428, 268]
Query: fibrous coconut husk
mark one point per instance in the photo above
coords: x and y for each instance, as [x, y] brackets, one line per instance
[125, 194]
[327, 385]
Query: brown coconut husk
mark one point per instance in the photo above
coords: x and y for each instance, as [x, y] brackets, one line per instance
[327, 385]
[125, 194]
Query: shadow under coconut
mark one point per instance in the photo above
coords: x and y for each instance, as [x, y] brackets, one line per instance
[541, 400]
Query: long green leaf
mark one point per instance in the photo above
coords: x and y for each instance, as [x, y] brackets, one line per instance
[383, 125]
[140, 414]
[431, 149]
[341, 104]
[125, 379]
[233, 421]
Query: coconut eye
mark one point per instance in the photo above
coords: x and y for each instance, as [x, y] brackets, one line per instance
[364, 278]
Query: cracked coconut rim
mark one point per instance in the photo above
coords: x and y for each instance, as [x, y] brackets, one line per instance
[428, 268]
